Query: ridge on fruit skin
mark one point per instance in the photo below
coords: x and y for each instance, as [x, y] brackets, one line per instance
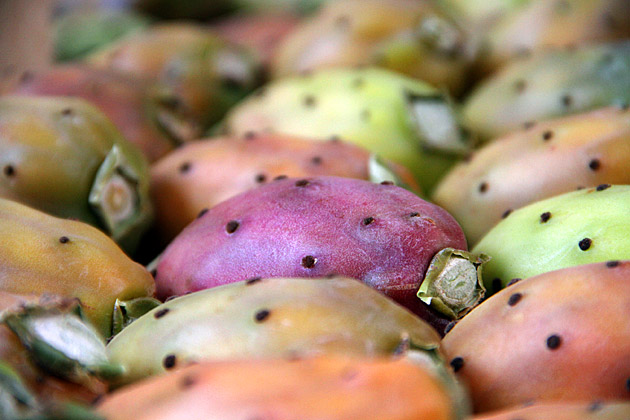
[548, 159]
[549, 84]
[399, 118]
[380, 234]
[201, 174]
[64, 157]
[580, 227]
[43, 254]
[559, 336]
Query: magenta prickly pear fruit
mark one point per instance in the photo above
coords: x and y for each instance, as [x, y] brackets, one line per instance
[592, 410]
[380, 234]
[201, 174]
[562, 335]
[548, 159]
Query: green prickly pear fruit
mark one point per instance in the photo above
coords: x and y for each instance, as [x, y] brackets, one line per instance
[64, 157]
[200, 74]
[548, 159]
[398, 118]
[550, 84]
[581, 227]
[555, 24]
[270, 318]
[42, 254]
[413, 38]
[331, 387]
[592, 410]
[80, 33]
[560, 336]
[201, 174]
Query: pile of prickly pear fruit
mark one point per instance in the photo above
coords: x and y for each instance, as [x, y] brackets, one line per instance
[315, 210]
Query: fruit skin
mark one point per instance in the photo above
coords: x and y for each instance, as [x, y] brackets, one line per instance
[596, 410]
[300, 318]
[201, 75]
[200, 175]
[104, 179]
[331, 387]
[370, 107]
[552, 25]
[43, 254]
[125, 100]
[412, 38]
[548, 159]
[581, 227]
[380, 234]
[78, 34]
[550, 84]
[562, 335]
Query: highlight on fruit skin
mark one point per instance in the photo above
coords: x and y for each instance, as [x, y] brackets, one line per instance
[548, 159]
[330, 387]
[43, 254]
[201, 174]
[559, 336]
[63, 156]
[271, 318]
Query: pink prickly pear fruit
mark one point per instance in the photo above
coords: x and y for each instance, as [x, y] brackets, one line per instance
[380, 234]
[543, 161]
[202, 174]
[561, 335]
[125, 100]
[330, 387]
[594, 410]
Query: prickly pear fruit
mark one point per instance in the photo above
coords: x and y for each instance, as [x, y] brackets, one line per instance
[380, 234]
[270, 318]
[595, 410]
[551, 158]
[581, 227]
[331, 387]
[201, 74]
[413, 38]
[262, 33]
[202, 174]
[548, 85]
[42, 254]
[555, 24]
[398, 118]
[562, 335]
[123, 99]
[80, 33]
[16, 356]
[63, 156]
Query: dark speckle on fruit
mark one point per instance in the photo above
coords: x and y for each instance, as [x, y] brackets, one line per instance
[457, 363]
[594, 164]
[280, 177]
[260, 178]
[231, 226]
[544, 218]
[301, 183]
[513, 281]
[595, 406]
[520, 85]
[253, 280]
[529, 124]
[483, 187]
[547, 135]
[554, 341]
[262, 315]
[64, 240]
[309, 261]
[585, 244]
[387, 183]
[612, 264]
[602, 187]
[514, 299]
[567, 100]
[9, 170]
[169, 361]
[316, 160]
[67, 112]
[202, 212]
[161, 313]
[310, 101]
[368, 221]
[185, 167]
[506, 213]
[250, 135]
